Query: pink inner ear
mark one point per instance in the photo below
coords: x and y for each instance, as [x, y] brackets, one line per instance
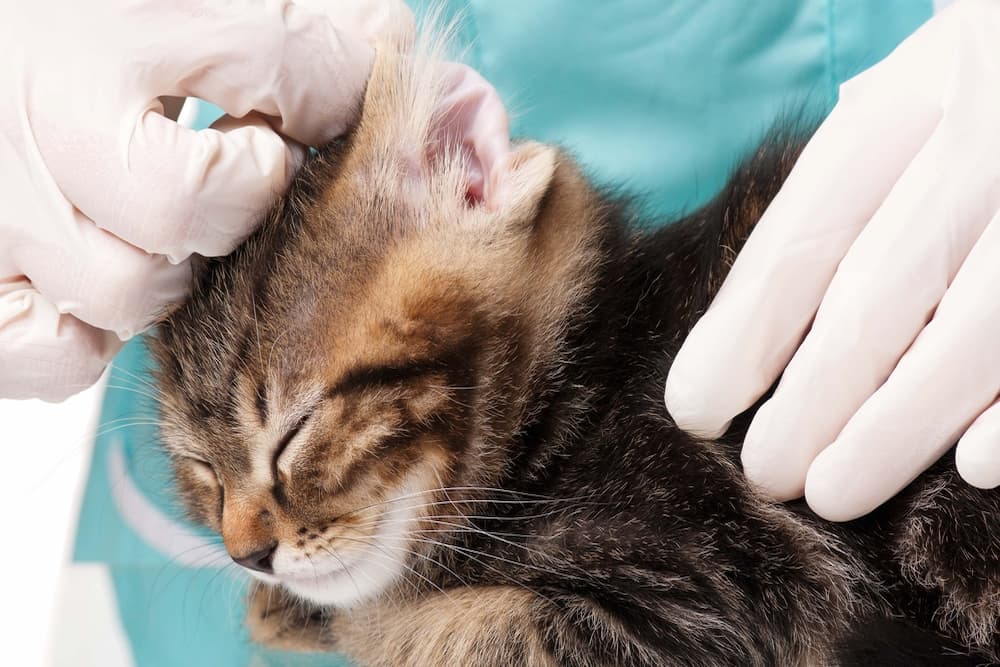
[472, 115]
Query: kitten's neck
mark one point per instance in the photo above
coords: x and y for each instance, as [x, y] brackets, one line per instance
[614, 308]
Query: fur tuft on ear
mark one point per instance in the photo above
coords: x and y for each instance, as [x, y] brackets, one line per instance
[518, 181]
[432, 132]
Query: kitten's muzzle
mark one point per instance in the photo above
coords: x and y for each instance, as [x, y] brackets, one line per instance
[260, 560]
[248, 530]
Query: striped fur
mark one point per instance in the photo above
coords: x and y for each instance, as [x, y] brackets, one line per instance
[464, 406]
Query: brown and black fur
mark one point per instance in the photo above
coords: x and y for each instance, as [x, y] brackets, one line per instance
[576, 524]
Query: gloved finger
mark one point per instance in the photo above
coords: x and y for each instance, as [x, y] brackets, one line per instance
[98, 278]
[778, 280]
[304, 65]
[295, 153]
[978, 453]
[44, 353]
[875, 307]
[190, 191]
[948, 377]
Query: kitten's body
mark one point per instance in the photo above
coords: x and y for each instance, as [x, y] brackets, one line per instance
[517, 361]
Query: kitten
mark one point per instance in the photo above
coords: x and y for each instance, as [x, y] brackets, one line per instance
[434, 432]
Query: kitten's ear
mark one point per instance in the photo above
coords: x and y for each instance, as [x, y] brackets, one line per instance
[519, 181]
[472, 115]
[464, 112]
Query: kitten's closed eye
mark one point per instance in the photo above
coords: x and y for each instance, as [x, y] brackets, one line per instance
[204, 471]
[201, 489]
[277, 469]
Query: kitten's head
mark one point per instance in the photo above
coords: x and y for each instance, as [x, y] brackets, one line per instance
[368, 356]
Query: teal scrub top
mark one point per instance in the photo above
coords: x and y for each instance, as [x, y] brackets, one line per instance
[659, 96]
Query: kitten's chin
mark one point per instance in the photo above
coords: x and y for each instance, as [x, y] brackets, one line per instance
[349, 586]
[369, 573]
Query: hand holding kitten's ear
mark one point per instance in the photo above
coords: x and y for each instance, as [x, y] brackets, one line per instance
[106, 196]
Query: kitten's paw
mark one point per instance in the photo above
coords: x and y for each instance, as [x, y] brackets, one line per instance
[279, 620]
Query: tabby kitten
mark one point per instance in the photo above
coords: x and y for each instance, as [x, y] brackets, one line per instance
[434, 432]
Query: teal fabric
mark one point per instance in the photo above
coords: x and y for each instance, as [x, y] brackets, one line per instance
[176, 616]
[660, 96]
[664, 95]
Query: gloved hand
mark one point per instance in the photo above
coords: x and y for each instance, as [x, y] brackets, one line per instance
[870, 286]
[105, 198]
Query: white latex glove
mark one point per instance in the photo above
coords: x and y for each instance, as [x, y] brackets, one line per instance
[871, 283]
[104, 198]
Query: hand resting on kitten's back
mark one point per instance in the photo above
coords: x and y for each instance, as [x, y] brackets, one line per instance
[434, 432]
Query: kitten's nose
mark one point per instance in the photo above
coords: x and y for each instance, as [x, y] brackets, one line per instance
[259, 560]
